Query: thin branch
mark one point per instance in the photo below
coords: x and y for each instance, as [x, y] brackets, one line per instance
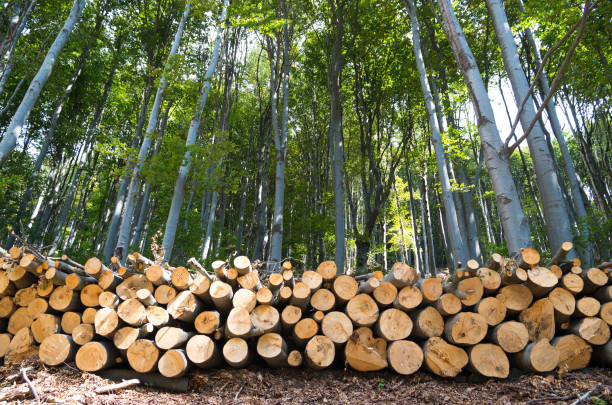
[555, 84]
[30, 385]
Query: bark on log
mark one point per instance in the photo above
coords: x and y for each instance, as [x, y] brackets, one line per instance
[594, 279]
[109, 280]
[94, 266]
[367, 286]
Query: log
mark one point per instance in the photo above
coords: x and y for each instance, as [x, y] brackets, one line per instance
[427, 322]
[250, 281]
[5, 340]
[472, 290]
[7, 307]
[109, 280]
[124, 337]
[185, 306]
[363, 352]
[22, 342]
[244, 298]
[515, 297]
[319, 352]
[592, 329]
[83, 333]
[276, 281]
[127, 288]
[564, 304]
[29, 262]
[587, 306]
[164, 294]
[218, 267]
[557, 271]
[265, 319]
[265, 296]
[323, 300]
[294, 359]
[511, 336]
[495, 262]
[109, 299]
[207, 322]
[603, 294]
[37, 306]
[402, 275]
[132, 312]
[300, 296]
[431, 289]
[327, 270]
[285, 294]
[273, 349]
[94, 266]
[409, 298]
[143, 355]
[203, 352]
[90, 295]
[44, 287]
[529, 257]
[157, 316]
[181, 278]
[200, 287]
[448, 304]
[170, 337]
[540, 281]
[594, 279]
[561, 253]
[6, 286]
[288, 279]
[539, 319]
[404, 357]
[488, 360]
[492, 310]
[312, 279]
[514, 275]
[602, 355]
[238, 324]
[57, 349]
[537, 357]
[605, 313]
[43, 326]
[18, 320]
[318, 316]
[304, 330]
[465, 328]
[24, 296]
[393, 324]
[236, 352]
[89, 315]
[289, 317]
[158, 275]
[95, 356]
[369, 285]
[443, 359]
[72, 280]
[362, 310]
[337, 326]
[574, 352]
[20, 277]
[385, 294]
[243, 265]
[70, 320]
[106, 322]
[173, 363]
[490, 279]
[344, 287]
[221, 295]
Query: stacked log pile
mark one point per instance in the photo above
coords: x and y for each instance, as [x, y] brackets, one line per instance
[156, 318]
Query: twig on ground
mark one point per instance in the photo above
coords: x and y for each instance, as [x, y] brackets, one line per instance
[239, 391]
[30, 385]
[586, 394]
[112, 387]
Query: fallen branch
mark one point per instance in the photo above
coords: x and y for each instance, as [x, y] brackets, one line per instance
[114, 387]
[30, 385]
[586, 394]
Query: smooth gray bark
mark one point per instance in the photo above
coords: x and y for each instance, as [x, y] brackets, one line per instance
[9, 140]
[179, 185]
[457, 244]
[514, 222]
[126, 220]
[555, 211]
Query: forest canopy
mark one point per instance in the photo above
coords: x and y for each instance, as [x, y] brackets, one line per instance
[369, 132]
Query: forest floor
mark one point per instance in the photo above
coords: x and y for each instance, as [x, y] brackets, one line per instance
[258, 385]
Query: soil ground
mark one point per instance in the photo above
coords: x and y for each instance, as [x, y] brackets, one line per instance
[259, 385]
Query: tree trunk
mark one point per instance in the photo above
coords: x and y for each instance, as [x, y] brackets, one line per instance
[126, 220]
[179, 185]
[516, 228]
[555, 212]
[9, 140]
